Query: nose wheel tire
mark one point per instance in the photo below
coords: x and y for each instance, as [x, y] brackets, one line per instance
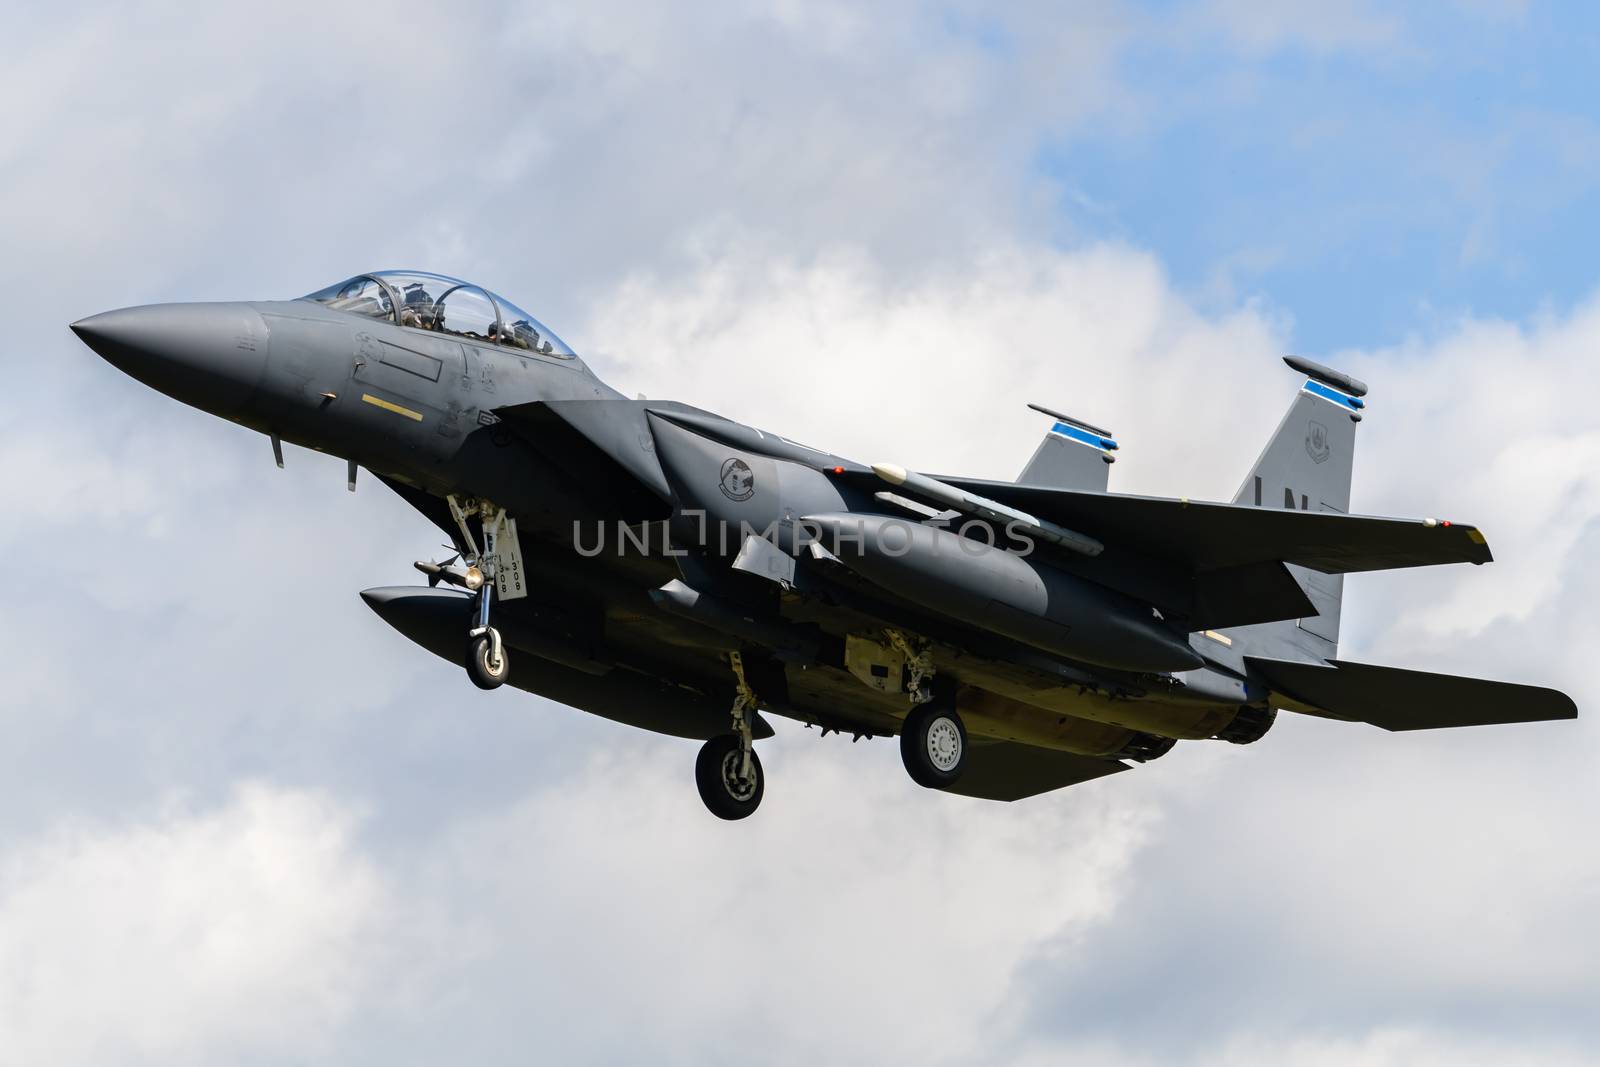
[726, 790]
[483, 668]
[933, 746]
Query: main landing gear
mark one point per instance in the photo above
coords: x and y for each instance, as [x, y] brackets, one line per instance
[933, 739]
[727, 771]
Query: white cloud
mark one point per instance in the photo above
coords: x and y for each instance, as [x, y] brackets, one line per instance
[1484, 418]
[464, 142]
[1352, 858]
[934, 371]
[1399, 1047]
[910, 922]
[808, 217]
[193, 937]
[1386, 1047]
[861, 920]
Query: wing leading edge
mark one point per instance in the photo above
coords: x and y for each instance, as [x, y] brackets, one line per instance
[1210, 537]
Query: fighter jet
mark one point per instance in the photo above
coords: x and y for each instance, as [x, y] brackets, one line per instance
[676, 570]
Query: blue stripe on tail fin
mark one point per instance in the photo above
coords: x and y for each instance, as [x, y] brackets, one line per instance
[1073, 455]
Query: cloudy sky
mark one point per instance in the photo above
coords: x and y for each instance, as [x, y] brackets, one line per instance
[242, 821]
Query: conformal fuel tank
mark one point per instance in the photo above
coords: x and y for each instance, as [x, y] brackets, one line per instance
[1007, 592]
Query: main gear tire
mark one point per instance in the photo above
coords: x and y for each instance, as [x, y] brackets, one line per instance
[728, 793]
[933, 746]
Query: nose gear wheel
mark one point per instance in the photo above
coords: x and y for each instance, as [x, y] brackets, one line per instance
[487, 663]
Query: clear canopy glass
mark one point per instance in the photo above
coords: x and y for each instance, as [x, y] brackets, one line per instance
[521, 330]
[424, 301]
[360, 296]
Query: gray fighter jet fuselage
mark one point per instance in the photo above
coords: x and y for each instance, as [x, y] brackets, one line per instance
[675, 570]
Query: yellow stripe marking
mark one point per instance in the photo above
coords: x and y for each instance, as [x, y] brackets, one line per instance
[379, 402]
[1220, 638]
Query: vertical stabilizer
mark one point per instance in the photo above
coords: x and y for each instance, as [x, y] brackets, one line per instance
[1073, 455]
[1307, 464]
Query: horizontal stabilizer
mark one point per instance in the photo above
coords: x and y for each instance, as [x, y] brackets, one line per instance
[1398, 699]
[1009, 771]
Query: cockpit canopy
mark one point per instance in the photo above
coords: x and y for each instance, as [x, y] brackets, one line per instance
[433, 302]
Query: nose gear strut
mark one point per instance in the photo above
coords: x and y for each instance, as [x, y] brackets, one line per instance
[487, 664]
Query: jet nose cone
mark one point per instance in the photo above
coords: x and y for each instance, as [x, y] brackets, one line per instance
[208, 355]
[106, 332]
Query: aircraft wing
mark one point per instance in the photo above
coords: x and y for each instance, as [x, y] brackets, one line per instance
[1397, 699]
[1010, 771]
[1213, 537]
[601, 439]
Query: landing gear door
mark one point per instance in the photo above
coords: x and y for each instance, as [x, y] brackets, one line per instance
[510, 575]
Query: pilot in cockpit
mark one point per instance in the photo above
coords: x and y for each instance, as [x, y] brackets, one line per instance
[419, 303]
[418, 308]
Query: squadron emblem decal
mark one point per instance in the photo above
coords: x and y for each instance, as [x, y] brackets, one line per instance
[1317, 442]
[738, 480]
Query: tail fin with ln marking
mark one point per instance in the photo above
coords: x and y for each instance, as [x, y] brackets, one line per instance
[1307, 466]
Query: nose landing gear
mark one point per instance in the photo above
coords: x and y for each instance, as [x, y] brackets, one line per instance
[486, 660]
[727, 771]
[487, 664]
